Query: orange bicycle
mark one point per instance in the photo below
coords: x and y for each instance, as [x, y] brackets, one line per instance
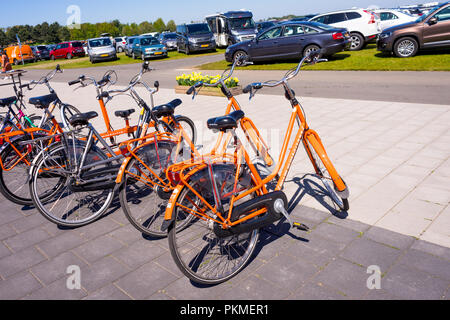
[223, 201]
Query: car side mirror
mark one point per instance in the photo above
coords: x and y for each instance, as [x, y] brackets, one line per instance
[432, 21]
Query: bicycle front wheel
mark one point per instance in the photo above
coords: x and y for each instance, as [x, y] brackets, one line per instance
[66, 203]
[313, 149]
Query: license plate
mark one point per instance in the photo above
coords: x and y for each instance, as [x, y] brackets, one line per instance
[158, 52]
[104, 55]
[205, 45]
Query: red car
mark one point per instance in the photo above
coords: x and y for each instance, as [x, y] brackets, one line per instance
[67, 50]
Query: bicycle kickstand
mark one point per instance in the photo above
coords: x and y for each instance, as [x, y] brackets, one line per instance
[279, 208]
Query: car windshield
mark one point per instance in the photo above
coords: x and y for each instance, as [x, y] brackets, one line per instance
[149, 41]
[42, 48]
[76, 44]
[322, 26]
[106, 42]
[423, 17]
[242, 23]
[198, 28]
[170, 36]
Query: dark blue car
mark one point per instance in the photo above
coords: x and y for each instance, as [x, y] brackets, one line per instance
[291, 40]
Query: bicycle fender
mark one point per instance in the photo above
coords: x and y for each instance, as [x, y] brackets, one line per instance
[169, 218]
[122, 170]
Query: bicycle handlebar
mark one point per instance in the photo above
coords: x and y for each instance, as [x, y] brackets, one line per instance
[44, 80]
[312, 58]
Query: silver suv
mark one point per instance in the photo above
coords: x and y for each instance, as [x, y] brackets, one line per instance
[120, 43]
[101, 49]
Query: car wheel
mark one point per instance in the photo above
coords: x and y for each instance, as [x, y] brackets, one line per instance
[120, 49]
[143, 57]
[188, 52]
[406, 47]
[69, 56]
[16, 62]
[357, 42]
[133, 55]
[52, 57]
[238, 55]
[310, 49]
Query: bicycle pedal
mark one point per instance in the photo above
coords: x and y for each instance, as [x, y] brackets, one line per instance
[301, 226]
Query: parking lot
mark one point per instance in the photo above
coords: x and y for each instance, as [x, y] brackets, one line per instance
[379, 102]
[394, 157]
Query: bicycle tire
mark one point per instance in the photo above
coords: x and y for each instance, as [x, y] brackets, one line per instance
[188, 126]
[143, 204]
[61, 214]
[187, 260]
[68, 111]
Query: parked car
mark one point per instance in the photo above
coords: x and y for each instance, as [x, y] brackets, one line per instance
[291, 40]
[169, 40]
[129, 46]
[101, 49]
[232, 27]
[195, 37]
[363, 25]
[16, 53]
[67, 50]
[151, 34]
[148, 47]
[120, 43]
[51, 47]
[261, 26]
[390, 18]
[41, 52]
[428, 31]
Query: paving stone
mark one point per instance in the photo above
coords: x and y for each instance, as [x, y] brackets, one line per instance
[270, 244]
[102, 273]
[310, 214]
[29, 222]
[57, 291]
[4, 251]
[348, 223]
[317, 291]
[96, 249]
[110, 292]
[184, 289]
[425, 262]
[160, 296]
[255, 288]
[287, 272]
[98, 228]
[411, 284]
[145, 281]
[56, 268]
[127, 234]
[368, 253]
[166, 262]
[27, 239]
[336, 233]
[432, 248]
[61, 243]
[18, 286]
[6, 232]
[139, 253]
[380, 294]
[389, 238]
[20, 261]
[346, 277]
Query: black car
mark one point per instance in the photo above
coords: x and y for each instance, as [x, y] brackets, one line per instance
[41, 52]
[195, 37]
[169, 39]
[291, 40]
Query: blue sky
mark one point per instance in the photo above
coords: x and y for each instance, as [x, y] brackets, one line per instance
[35, 12]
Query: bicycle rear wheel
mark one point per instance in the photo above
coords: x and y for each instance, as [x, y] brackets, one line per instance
[142, 195]
[66, 203]
[14, 172]
[313, 150]
[195, 247]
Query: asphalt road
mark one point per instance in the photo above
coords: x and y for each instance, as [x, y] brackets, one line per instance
[415, 87]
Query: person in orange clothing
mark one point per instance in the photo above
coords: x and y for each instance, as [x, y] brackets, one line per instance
[6, 65]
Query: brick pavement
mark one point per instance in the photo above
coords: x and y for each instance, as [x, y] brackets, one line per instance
[394, 157]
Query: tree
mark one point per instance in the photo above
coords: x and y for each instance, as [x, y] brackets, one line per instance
[171, 26]
[146, 27]
[159, 25]
[3, 39]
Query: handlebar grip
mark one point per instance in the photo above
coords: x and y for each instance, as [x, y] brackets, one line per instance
[247, 89]
[190, 90]
[71, 83]
[104, 94]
